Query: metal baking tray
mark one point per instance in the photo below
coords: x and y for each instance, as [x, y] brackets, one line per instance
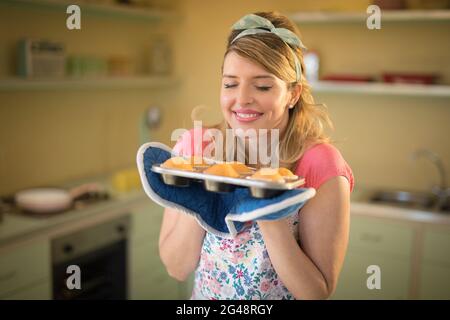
[215, 183]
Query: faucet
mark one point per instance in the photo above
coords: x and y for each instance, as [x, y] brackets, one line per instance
[442, 191]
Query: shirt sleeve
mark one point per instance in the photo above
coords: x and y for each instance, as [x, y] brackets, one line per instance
[321, 163]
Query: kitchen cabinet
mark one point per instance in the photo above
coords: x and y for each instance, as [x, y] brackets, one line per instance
[148, 276]
[435, 266]
[395, 276]
[25, 271]
[434, 282]
[386, 244]
[413, 258]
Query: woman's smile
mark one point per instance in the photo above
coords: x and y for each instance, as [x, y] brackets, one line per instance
[246, 115]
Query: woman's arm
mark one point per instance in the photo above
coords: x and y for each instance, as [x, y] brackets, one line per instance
[180, 243]
[311, 270]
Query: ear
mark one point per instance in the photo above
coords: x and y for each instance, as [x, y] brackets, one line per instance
[296, 92]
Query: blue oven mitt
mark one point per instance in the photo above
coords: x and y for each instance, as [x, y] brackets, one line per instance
[223, 214]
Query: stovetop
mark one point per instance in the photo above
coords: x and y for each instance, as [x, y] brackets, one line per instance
[87, 199]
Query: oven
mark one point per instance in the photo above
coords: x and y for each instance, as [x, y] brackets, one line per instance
[97, 256]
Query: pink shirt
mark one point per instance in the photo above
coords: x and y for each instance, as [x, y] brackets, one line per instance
[322, 162]
[240, 268]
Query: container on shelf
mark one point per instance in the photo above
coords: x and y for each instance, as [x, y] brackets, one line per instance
[86, 66]
[410, 78]
[427, 4]
[348, 78]
[39, 58]
[160, 60]
[119, 65]
[312, 65]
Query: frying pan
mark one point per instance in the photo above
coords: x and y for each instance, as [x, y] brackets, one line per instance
[49, 199]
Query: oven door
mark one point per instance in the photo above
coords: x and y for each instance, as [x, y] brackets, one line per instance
[98, 256]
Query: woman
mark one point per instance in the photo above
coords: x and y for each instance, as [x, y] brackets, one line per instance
[299, 257]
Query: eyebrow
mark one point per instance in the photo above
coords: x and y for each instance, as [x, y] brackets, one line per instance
[255, 77]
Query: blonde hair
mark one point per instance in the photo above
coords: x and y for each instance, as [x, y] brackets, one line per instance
[307, 120]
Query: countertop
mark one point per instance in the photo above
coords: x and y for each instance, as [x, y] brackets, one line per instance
[360, 205]
[16, 227]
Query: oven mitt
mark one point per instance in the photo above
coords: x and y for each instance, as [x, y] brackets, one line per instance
[223, 214]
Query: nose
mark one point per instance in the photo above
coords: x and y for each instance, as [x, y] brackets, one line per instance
[244, 96]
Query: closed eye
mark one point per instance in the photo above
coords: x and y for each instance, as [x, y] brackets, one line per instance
[260, 88]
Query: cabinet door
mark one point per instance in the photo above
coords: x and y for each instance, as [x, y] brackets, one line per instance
[148, 276]
[381, 236]
[394, 281]
[435, 268]
[24, 266]
[146, 222]
[434, 282]
[385, 244]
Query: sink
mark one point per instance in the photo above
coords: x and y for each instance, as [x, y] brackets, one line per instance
[407, 199]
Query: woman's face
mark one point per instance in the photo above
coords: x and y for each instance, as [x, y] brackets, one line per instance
[251, 97]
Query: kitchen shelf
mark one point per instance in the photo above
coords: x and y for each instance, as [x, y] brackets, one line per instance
[386, 16]
[110, 11]
[135, 82]
[381, 89]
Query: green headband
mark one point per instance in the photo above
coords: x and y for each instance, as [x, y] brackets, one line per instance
[253, 24]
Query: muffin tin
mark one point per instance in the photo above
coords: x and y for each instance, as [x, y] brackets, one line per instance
[216, 183]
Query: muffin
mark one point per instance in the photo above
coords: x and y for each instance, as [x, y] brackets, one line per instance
[268, 174]
[286, 173]
[240, 167]
[198, 161]
[222, 169]
[178, 163]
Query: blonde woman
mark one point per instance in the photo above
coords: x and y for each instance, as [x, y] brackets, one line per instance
[300, 257]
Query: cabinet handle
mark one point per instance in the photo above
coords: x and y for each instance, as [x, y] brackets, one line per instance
[8, 276]
[68, 248]
[120, 229]
[371, 237]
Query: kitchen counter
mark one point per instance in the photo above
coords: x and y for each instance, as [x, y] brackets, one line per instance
[390, 212]
[360, 205]
[16, 227]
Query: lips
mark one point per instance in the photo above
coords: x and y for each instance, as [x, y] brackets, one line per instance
[246, 115]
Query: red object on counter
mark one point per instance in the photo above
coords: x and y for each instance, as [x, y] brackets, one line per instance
[410, 78]
[347, 78]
